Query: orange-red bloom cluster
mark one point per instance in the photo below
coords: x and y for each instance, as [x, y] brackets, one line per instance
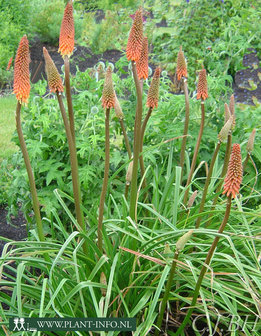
[54, 79]
[153, 94]
[234, 173]
[108, 94]
[134, 44]
[21, 71]
[66, 40]
[143, 63]
[181, 65]
[9, 63]
[202, 91]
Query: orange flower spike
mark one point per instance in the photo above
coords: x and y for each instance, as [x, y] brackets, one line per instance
[66, 40]
[181, 65]
[54, 79]
[202, 90]
[153, 94]
[21, 71]
[9, 63]
[234, 173]
[108, 94]
[143, 63]
[134, 44]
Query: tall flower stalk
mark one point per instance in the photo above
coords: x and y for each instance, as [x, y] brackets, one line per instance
[108, 102]
[133, 52]
[222, 136]
[182, 75]
[231, 188]
[22, 91]
[202, 93]
[66, 46]
[56, 86]
[152, 102]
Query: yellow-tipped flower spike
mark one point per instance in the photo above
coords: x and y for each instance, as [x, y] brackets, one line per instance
[223, 134]
[153, 94]
[118, 110]
[134, 44]
[53, 77]
[143, 62]
[108, 94]
[251, 140]
[234, 173]
[66, 40]
[21, 71]
[202, 90]
[181, 65]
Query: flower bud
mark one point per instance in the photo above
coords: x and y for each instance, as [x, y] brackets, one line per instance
[53, 77]
[129, 173]
[223, 134]
[181, 65]
[21, 71]
[234, 173]
[202, 90]
[182, 241]
[66, 40]
[143, 63]
[134, 44]
[227, 112]
[118, 111]
[108, 94]
[153, 94]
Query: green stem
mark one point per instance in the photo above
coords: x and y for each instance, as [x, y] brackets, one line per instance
[222, 176]
[136, 145]
[68, 95]
[74, 165]
[126, 139]
[204, 268]
[205, 191]
[193, 164]
[29, 170]
[142, 166]
[166, 294]
[105, 178]
[185, 131]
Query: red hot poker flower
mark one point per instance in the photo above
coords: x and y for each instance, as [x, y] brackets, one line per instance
[153, 94]
[54, 79]
[143, 63]
[21, 71]
[134, 44]
[202, 91]
[108, 94]
[234, 173]
[181, 65]
[66, 40]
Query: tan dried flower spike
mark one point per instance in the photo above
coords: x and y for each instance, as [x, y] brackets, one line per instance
[53, 77]
[143, 63]
[251, 140]
[202, 90]
[21, 71]
[66, 40]
[134, 44]
[153, 94]
[181, 65]
[234, 173]
[108, 94]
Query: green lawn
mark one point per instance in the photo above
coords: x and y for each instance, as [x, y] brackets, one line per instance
[7, 126]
